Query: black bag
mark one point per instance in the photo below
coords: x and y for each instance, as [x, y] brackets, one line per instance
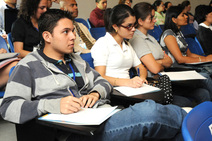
[164, 83]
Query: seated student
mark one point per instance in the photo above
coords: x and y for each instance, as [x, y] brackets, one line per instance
[187, 8]
[24, 32]
[113, 56]
[153, 57]
[173, 42]
[97, 15]
[159, 15]
[203, 15]
[27, 96]
[84, 41]
[5, 69]
[167, 5]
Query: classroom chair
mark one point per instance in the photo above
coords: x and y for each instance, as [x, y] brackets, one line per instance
[81, 20]
[156, 32]
[188, 31]
[197, 125]
[194, 47]
[97, 32]
[3, 44]
[88, 58]
[9, 39]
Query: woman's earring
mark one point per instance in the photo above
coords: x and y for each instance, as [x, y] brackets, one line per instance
[116, 30]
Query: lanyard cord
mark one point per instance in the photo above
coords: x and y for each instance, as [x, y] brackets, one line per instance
[74, 76]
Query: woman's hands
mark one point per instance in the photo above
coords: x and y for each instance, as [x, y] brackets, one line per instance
[137, 82]
[72, 104]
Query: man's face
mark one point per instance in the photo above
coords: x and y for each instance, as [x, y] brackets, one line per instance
[71, 6]
[63, 36]
[102, 4]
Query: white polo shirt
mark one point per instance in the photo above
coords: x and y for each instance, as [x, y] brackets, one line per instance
[107, 52]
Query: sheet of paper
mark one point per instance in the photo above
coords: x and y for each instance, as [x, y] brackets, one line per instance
[128, 91]
[183, 75]
[198, 63]
[88, 116]
[7, 55]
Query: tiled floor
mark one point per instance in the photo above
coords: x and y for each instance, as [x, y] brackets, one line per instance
[7, 131]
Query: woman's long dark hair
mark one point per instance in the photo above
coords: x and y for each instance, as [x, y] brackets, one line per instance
[116, 15]
[172, 12]
[28, 8]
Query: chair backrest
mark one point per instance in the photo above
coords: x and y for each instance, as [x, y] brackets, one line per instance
[3, 44]
[1, 94]
[88, 58]
[89, 23]
[97, 32]
[197, 125]
[156, 32]
[80, 20]
[194, 47]
[188, 30]
[9, 39]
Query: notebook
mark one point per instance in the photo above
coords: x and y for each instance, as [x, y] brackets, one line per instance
[86, 116]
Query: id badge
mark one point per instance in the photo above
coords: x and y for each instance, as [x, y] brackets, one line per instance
[83, 45]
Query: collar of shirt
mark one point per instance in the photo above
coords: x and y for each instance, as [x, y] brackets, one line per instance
[113, 42]
[146, 37]
[50, 60]
[206, 26]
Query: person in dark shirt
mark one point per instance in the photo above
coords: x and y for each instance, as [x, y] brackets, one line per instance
[97, 15]
[24, 32]
[203, 15]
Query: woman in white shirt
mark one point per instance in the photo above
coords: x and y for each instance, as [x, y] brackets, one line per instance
[113, 55]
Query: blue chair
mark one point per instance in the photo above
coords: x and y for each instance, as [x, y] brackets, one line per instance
[156, 32]
[188, 30]
[197, 125]
[9, 39]
[194, 47]
[80, 20]
[88, 58]
[97, 32]
[3, 44]
[1, 94]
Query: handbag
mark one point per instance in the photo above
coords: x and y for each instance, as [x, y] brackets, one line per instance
[164, 83]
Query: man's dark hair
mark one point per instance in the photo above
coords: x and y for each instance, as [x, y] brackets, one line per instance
[28, 8]
[201, 11]
[48, 21]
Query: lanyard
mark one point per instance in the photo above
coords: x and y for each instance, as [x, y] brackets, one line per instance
[74, 76]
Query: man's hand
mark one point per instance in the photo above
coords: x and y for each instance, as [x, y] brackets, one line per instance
[89, 100]
[70, 105]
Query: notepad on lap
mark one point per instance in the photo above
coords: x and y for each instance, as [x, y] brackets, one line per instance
[128, 91]
[86, 116]
[183, 75]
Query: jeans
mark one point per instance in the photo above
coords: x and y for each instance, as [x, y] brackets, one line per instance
[142, 121]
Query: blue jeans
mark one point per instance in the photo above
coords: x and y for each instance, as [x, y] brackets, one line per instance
[145, 120]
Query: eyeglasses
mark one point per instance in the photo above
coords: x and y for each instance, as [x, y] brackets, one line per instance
[129, 27]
